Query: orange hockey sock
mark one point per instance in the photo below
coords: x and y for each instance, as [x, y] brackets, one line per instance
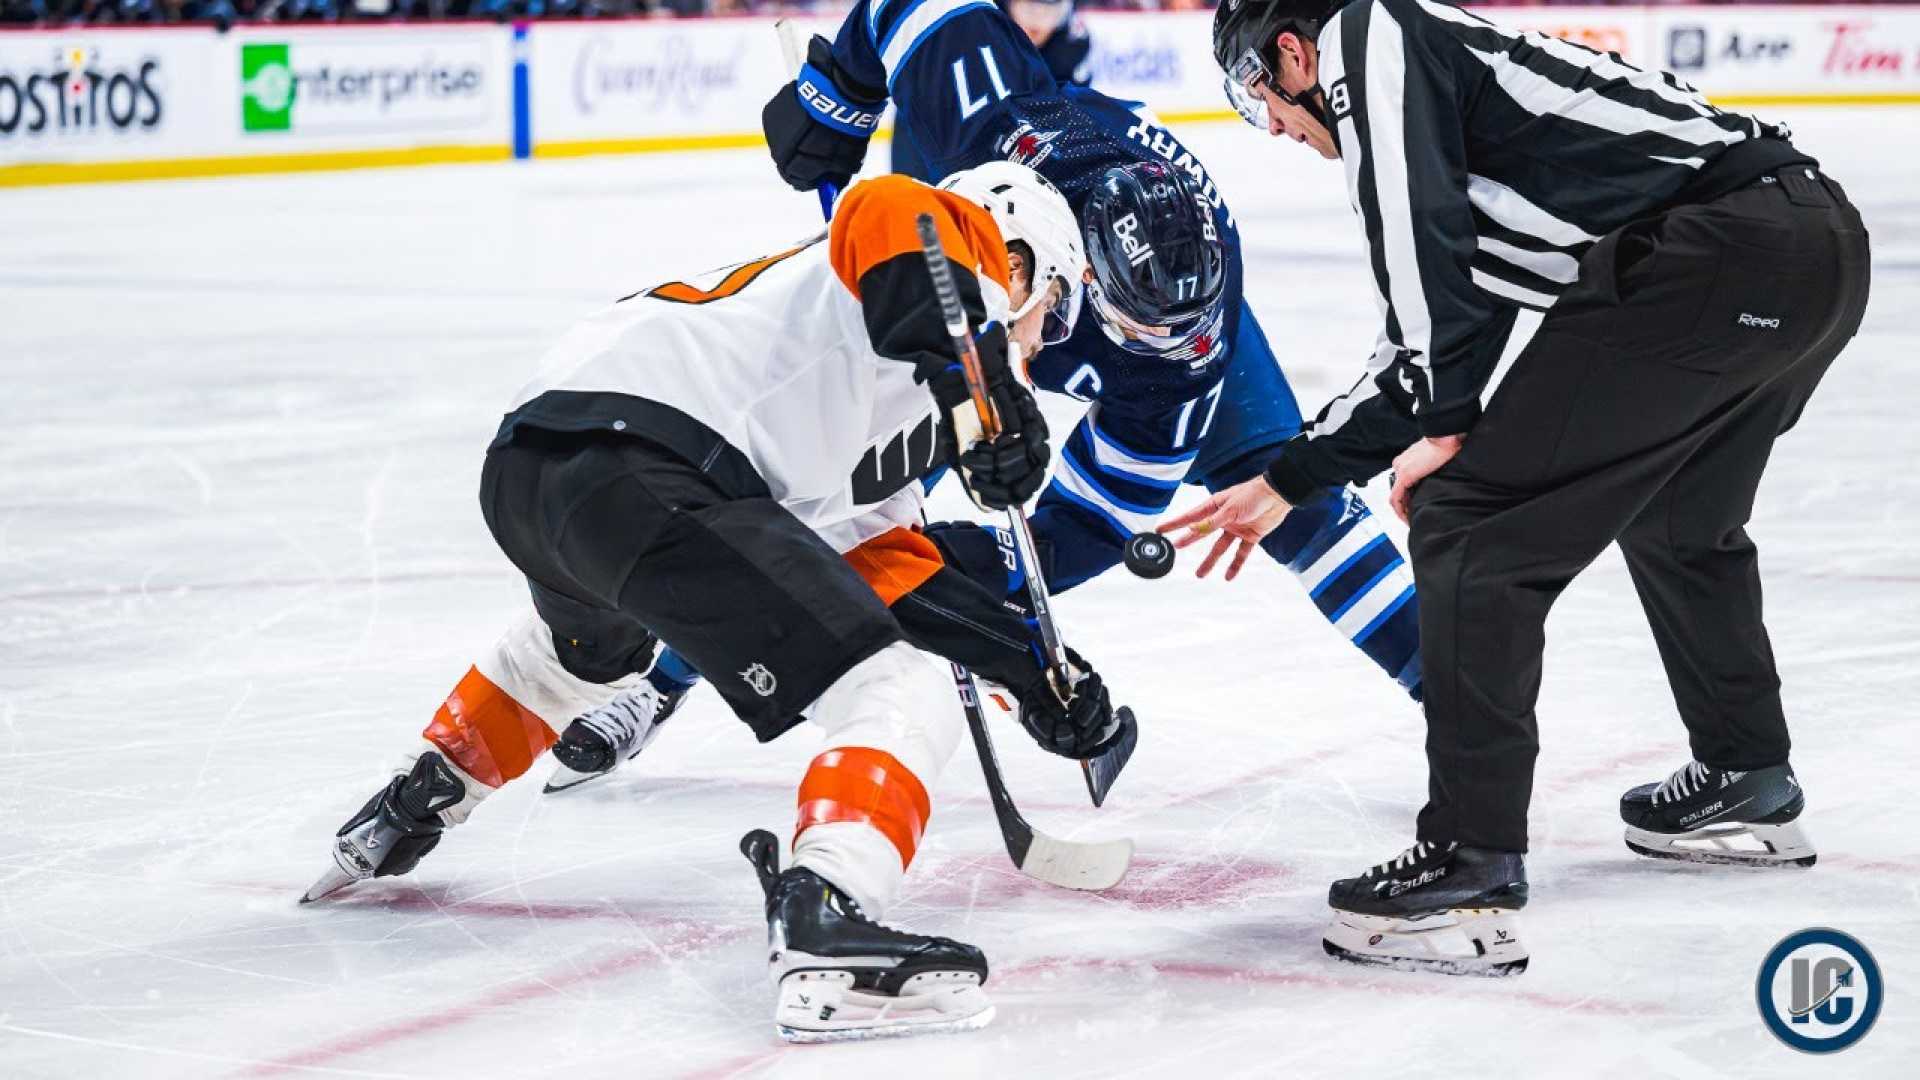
[486, 732]
[856, 783]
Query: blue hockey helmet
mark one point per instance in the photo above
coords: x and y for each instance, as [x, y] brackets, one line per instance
[1159, 266]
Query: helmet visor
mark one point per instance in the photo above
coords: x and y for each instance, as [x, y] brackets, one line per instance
[1062, 314]
[1191, 339]
[1251, 106]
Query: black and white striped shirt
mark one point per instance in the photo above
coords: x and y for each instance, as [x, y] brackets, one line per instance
[1483, 163]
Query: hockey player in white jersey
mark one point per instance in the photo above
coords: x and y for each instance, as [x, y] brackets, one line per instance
[682, 470]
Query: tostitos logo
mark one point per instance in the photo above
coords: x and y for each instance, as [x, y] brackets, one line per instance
[76, 91]
[1819, 990]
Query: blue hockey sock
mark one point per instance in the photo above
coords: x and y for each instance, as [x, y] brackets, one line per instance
[672, 675]
[1357, 578]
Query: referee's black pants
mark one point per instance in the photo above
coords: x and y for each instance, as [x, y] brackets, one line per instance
[1643, 411]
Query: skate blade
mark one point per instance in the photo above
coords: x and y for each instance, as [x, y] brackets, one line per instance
[1729, 845]
[565, 779]
[330, 882]
[1483, 942]
[824, 1006]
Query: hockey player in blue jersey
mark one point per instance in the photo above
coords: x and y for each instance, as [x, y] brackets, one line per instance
[1064, 45]
[1183, 384]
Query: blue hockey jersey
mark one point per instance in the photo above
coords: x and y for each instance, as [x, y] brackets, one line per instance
[967, 87]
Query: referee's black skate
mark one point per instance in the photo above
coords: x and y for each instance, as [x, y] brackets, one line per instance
[842, 976]
[1709, 815]
[1434, 907]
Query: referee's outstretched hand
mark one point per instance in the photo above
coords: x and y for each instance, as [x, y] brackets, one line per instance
[1244, 513]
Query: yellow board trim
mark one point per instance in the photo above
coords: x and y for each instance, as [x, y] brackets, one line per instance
[96, 172]
[1748, 100]
[653, 144]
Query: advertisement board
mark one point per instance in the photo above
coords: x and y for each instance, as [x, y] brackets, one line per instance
[599, 87]
[387, 84]
[1841, 54]
[88, 94]
[130, 102]
[182, 101]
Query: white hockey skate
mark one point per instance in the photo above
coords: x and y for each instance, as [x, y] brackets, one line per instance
[842, 977]
[1456, 941]
[599, 742]
[1440, 908]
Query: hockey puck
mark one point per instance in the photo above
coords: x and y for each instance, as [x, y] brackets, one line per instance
[1149, 555]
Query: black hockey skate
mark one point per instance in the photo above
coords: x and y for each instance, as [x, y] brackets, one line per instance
[843, 976]
[1434, 907]
[598, 742]
[1709, 815]
[395, 829]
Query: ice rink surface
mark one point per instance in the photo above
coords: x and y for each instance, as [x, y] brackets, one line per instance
[241, 563]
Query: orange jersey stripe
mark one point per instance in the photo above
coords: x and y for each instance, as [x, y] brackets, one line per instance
[875, 222]
[486, 732]
[895, 563]
[857, 783]
[738, 278]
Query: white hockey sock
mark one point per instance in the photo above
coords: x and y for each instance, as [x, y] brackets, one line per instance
[893, 721]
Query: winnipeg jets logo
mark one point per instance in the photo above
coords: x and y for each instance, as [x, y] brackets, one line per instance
[760, 679]
[1138, 250]
[1028, 145]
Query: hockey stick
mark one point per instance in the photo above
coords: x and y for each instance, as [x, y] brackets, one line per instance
[1101, 771]
[1066, 863]
[796, 54]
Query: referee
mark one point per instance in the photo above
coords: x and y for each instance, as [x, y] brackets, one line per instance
[1698, 275]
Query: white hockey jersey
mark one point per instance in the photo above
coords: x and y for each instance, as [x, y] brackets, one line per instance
[775, 357]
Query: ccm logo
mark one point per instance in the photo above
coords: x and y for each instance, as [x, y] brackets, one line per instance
[1758, 322]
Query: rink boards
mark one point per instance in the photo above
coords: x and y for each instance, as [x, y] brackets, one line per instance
[113, 103]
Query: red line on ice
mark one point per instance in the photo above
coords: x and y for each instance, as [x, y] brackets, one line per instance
[1399, 984]
[690, 938]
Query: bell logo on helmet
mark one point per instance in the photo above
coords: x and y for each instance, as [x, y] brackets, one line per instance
[1137, 250]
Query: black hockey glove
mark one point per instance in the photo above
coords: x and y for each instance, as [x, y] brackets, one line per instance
[817, 126]
[1008, 469]
[1081, 727]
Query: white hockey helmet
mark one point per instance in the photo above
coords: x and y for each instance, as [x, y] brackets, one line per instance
[1027, 207]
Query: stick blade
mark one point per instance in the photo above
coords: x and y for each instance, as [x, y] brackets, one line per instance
[1103, 770]
[1088, 867]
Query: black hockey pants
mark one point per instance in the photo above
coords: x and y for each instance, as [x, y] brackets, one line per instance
[1643, 411]
[622, 540]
